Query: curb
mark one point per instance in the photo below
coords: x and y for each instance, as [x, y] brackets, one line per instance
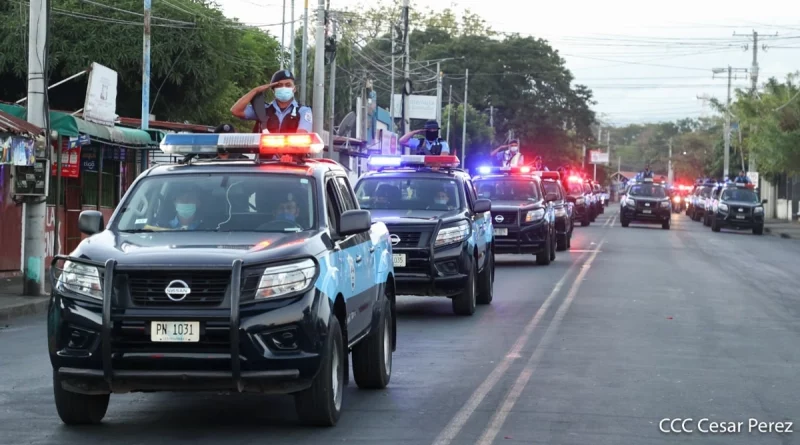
[37, 305]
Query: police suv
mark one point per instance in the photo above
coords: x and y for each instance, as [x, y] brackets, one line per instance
[647, 202]
[738, 207]
[524, 219]
[441, 232]
[257, 275]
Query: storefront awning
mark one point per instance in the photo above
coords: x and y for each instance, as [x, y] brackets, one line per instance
[71, 126]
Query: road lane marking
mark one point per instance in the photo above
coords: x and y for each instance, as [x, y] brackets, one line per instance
[462, 416]
[500, 416]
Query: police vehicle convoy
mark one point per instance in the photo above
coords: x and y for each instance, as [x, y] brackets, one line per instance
[555, 194]
[524, 221]
[441, 231]
[647, 202]
[226, 275]
[739, 207]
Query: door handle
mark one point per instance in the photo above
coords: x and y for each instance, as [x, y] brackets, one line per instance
[358, 259]
[372, 249]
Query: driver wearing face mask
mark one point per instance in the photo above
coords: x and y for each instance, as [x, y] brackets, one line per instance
[431, 144]
[186, 204]
[287, 211]
[509, 154]
[284, 114]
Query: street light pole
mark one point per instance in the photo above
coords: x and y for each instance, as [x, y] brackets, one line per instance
[304, 58]
[464, 127]
[318, 110]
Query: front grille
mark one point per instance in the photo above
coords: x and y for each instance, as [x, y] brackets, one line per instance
[208, 288]
[508, 218]
[408, 239]
[411, 236]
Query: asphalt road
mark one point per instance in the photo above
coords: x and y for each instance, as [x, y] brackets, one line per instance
[632, 326]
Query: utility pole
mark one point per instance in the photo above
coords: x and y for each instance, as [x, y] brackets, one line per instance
[449, 112]
[35, 211]
[332, 93]
[753, 82]
[391, 93]
[439, 92]
[464, 127]
[491, 116]
[318, 111]
[304, 57]
[291, 44]
[146, 68]
[406, 68]
[670, 173]
[727, 158]
[283, 37]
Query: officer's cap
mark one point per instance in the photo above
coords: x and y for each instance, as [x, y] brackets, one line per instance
[281, 75]
[431, 125]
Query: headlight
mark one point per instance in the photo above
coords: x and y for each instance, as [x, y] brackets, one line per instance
[81, 279]
[452, 235]
[701, 204]
[723, 207]
[579, 201]
[758, 210]
[534, 215]
[665, 204]
[630, 202]
[286, 279]
[677, 199]
[561, 212]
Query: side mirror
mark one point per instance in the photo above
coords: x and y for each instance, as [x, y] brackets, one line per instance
[353, 222]
[764, 201]
[482, 205]
[91, 222]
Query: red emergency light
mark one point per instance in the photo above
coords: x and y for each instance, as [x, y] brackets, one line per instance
[290, 144]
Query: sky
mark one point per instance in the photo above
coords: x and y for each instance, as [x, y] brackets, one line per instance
[644, 61]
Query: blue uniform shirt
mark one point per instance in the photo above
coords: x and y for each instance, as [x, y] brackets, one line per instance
[414, 143]
[176, 224]
[306, 120]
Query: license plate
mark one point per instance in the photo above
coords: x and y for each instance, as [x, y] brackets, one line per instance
[399, 259]
[175, 331]
[647, 211]
[500, 232]
[739, 216]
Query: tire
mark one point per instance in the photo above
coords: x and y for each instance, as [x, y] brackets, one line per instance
[464, 303]
[758, 230]
[486, 291]
[321, 404]
[586, 220]
[593, 216]
[78, 409]
[544, 258]
[715, 227]
[569, 237]
[372, 357]
[562, 242]
[665, 225]
[624, 222]
[553, 248]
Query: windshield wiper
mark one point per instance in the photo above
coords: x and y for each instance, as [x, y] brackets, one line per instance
[138, 231]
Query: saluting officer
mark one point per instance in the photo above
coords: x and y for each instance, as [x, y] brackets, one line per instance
[432, 144]
[283, 115]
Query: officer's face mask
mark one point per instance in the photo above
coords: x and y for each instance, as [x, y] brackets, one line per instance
[286, 216]
[431, 135]
[514, 149]
[185, 211]
[284, 94]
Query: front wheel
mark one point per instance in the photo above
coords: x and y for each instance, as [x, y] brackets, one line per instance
[78, 409]
[562, 242]
[586, 220]
[544, 258]
[321, 404]
[665, 225]
[715, 226]
[758, 230]
[624, 222]
[464, 303]
[372, 357]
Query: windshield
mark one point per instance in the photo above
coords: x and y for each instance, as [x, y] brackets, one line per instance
[551, 187]
[407, 193]
[647, 190]
[705, 192]
[575, 189]
[508, 189]
[220, 203]
[740, 196]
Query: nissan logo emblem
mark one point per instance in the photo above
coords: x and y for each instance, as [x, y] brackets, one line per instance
[177, 290]
[499, 218]
[394, 239]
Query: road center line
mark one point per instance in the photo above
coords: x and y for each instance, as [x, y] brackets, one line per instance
[500, 416]
[462, 416]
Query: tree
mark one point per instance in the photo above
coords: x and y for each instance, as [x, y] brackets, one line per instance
[479, 133]
[200, 61]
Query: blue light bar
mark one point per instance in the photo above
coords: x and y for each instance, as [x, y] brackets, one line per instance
[192, 143]
[484, 170]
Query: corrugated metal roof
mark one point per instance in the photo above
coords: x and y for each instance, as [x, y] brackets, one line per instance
[15, 125]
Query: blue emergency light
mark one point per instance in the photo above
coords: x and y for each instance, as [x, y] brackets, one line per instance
[487, 170]
[253, 143]
[382, 161]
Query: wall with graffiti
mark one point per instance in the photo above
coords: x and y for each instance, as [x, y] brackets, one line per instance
[15, 150]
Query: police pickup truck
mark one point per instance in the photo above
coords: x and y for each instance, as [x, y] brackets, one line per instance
[441, 232]
[254, 275]
[738, 207]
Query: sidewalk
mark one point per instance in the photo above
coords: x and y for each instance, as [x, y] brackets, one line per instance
[13, 304]
[782, 228]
